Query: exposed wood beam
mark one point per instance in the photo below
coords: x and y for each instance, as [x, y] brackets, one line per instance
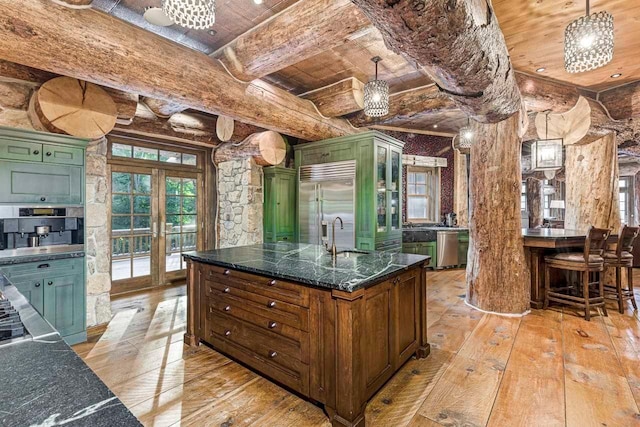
[161, 108]
[541, 95]
[416, 131]
[13, 72]
[92, 46]
[338, 99]
[301, 31]
[460, 46]
[622, 102]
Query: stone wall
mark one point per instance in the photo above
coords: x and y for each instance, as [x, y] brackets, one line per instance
[97, 243]
[240, 203]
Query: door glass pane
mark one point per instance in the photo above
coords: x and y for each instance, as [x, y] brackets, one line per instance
[381, 167]
[145, 153]
[189, 159]
[182, 222]
[172, 204]
[121, 150]
[130, 225]
[189, 205]
[170, 156]
[395, 190]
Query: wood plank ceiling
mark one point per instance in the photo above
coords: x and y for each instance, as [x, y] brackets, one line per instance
[533, 29]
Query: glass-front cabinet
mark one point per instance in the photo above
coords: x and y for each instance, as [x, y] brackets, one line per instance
[388, 197]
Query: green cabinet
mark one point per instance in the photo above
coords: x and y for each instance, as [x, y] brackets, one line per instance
[378, 199]
[279, 204]
[57, 290]
[41, 169]
[463, 247]
[422, 248]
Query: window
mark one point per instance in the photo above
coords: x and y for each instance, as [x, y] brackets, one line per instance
[625, 185]
[423, 188]
[523, 197]
[153, 154]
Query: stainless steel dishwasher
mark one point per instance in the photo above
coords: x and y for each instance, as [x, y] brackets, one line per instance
[447, 243]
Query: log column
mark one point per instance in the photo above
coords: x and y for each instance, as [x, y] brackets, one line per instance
[497, 272]
[534, 202]
[461, 187]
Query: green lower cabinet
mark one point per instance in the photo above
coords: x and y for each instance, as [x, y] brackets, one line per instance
[422, 248]
[57, 290]
[463, 248]
[279, 218]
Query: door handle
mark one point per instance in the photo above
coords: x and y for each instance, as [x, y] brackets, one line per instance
[163, 227]
[154, 231]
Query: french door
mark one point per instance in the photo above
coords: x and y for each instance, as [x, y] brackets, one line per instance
[156, 216]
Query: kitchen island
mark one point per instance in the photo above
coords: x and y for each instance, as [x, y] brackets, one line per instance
[331, 329]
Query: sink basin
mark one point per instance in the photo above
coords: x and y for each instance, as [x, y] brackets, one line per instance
[351, 254]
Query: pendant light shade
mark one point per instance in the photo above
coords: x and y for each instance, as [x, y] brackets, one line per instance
[466, 136]
[195, 14]
[588, 42]
[376, 95]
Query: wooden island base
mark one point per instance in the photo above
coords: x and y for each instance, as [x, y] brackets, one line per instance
[334, 347]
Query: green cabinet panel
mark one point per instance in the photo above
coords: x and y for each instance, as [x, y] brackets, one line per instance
[64, 303]
[12, 149]
[463, 247]
[57, 290]
[422, 248]
[279, 204]
[378, 198]
[39, 183]
[59, 154]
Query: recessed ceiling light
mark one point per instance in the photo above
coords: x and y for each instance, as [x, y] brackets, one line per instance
[540, 70]
[156, 16]
[616, 75]
[435, 126]
[211, 32]
[257, 1]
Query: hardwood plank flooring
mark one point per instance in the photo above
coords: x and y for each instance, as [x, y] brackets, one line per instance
[550, 368]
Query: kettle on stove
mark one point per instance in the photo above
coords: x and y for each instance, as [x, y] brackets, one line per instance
[450, 219]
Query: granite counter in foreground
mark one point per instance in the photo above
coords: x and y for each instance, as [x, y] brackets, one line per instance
[43, 382]
[311, 264]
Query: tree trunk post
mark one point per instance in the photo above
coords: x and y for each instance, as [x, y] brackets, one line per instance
[498, 277]
[534, 202]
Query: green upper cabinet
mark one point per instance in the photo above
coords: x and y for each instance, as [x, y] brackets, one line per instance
[39, 168]
[378, 197]
[279, 204]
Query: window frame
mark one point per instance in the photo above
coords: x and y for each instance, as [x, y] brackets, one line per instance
[433, 193]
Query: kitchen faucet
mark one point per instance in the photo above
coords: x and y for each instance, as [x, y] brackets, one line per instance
[334, 250]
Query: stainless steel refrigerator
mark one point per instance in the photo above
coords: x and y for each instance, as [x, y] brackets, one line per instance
[327, 191]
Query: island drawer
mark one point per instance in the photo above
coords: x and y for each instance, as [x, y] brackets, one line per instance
[273, 308]
[234, 307]
[296, 380]
[272, 288]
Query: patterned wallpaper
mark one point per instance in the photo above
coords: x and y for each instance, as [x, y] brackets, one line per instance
[432, 146]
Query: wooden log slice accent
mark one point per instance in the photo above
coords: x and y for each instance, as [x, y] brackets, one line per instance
[161, 108]
[534, 202]
[338, 99]
[224, 128]
[571, 126]
[73, 107]
[459, 43]
[497, 271]
[266, 148]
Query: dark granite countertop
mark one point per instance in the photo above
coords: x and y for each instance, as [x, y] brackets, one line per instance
[426, 233]
[553, 233]
[311, 264]
[48, 253]
[43, 382]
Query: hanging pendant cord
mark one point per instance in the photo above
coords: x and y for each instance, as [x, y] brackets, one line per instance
[588, 8]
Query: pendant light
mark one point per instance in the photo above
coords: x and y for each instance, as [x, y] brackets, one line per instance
[195, 14]
[376, 95]
[547, 154]
[465, 136]
[588, 42]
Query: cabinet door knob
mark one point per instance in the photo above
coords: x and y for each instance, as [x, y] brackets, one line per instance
[38, 285]
[42, 199]
[48, 153]
[50, 283]
[227, 308]
[272, 354]
[272, 325]
[227, 290]
[271, 283]
[271, 304]
[227, 333]
[36, 152]
[226, 272]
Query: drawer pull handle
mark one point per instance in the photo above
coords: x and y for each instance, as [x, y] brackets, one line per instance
[272, 325]
[226, 272]
[44, 266]
[227, 333]
[43, 199]
[50, 283]
[36, 152]
[227, 308]
[272, 283]
[38, 285]
[227, 290]
[271, 304]
[48, 153]
[272, 354]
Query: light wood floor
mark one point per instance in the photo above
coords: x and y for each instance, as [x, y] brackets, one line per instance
[549, 368]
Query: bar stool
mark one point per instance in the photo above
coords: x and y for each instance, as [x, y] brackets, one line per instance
[585, 263]
[619, 259]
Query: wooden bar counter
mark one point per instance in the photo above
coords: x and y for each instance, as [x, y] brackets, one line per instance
[332, 330]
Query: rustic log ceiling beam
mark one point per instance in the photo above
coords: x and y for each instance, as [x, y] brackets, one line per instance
[303, 30]
[161, 108]
[622, 102]
[460, 46]
[95, 47]
[338, 99]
